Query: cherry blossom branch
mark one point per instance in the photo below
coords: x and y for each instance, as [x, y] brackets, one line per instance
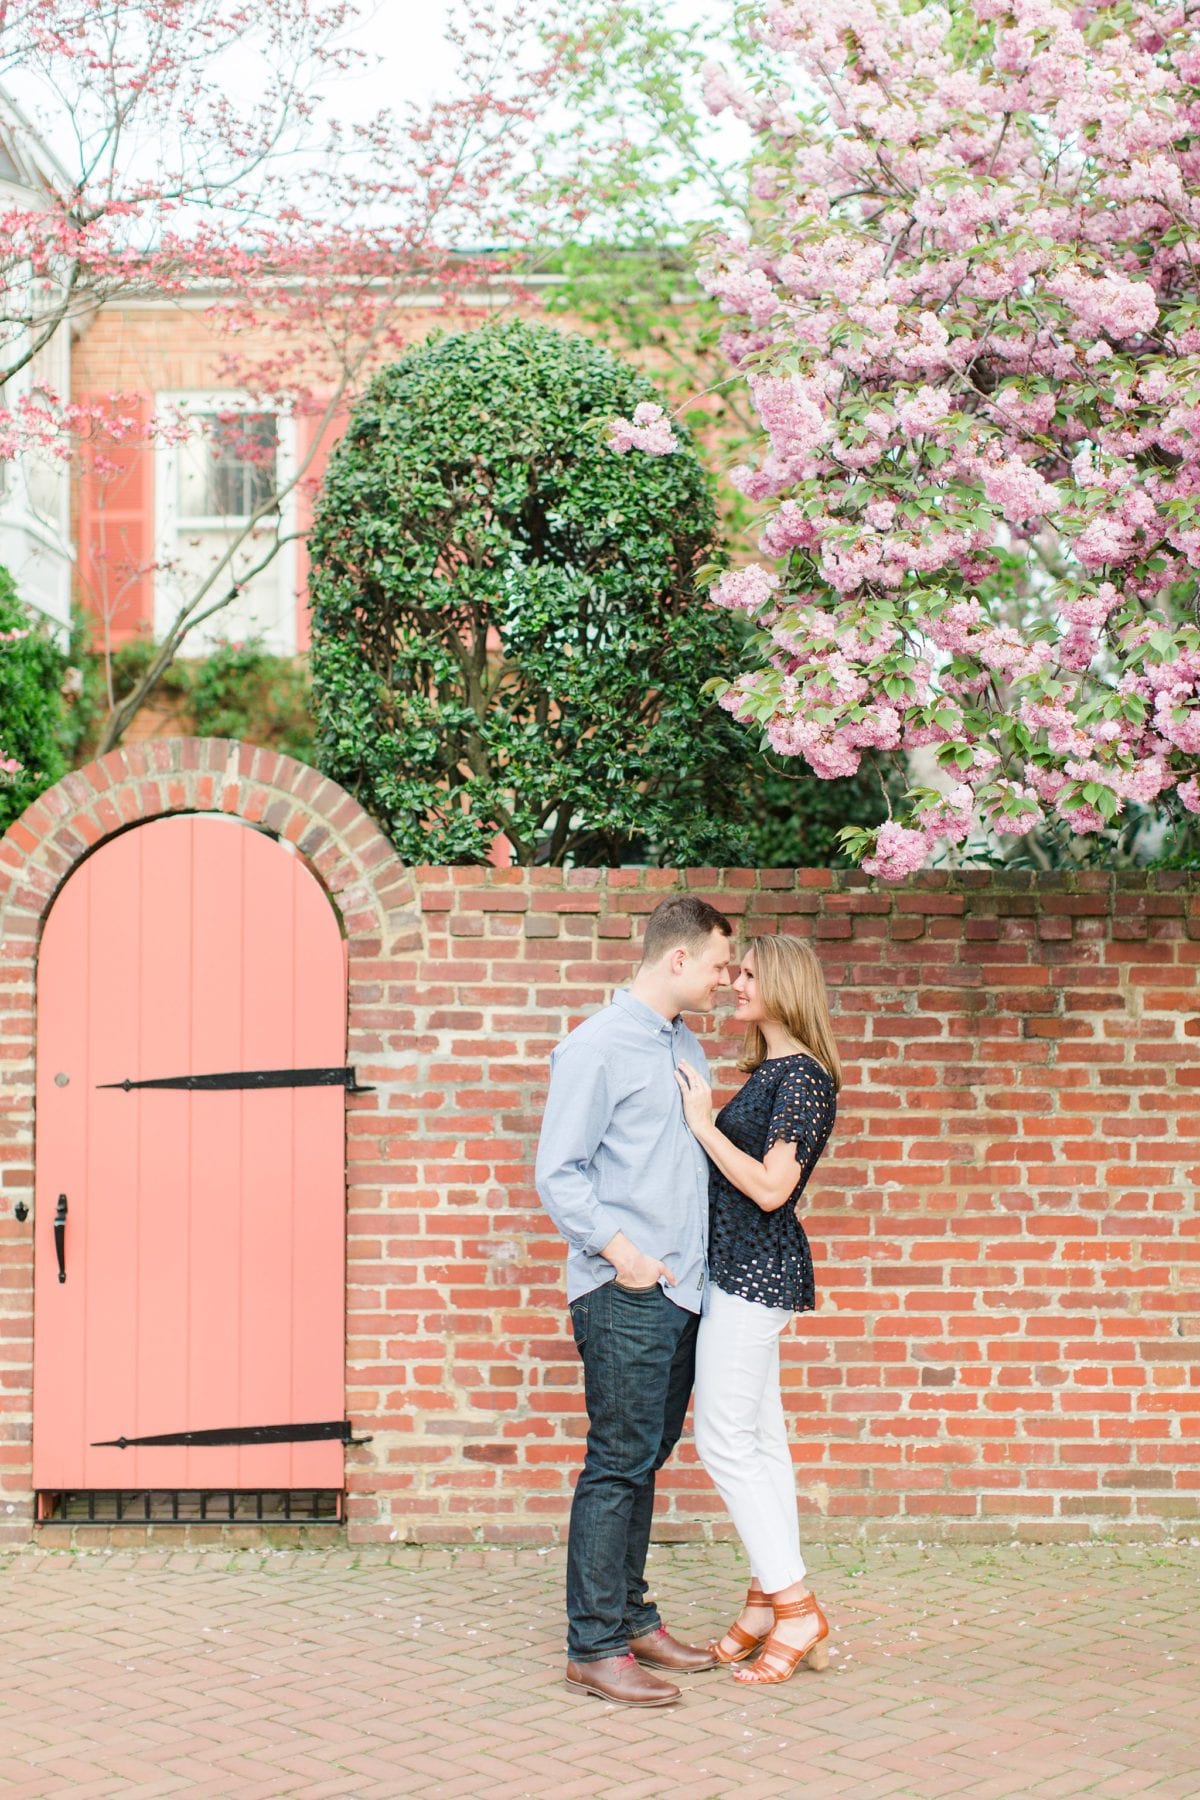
[972, 354]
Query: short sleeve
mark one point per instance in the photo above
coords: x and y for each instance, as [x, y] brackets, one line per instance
[802, 1110]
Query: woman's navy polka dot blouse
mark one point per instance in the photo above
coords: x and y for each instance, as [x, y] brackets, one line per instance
[759, 1255]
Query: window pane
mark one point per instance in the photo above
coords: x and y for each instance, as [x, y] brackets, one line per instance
[227, 468]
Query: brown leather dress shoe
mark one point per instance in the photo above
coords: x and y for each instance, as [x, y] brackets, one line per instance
[619, 1678]
[659, 1650]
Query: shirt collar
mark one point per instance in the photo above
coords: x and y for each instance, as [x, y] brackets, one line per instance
[645, 1015]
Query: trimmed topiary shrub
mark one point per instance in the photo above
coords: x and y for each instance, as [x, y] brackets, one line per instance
[507, 634]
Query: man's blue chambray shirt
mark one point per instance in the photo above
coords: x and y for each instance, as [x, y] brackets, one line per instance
[615, 1152]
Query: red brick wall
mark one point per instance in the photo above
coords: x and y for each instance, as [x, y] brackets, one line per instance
[1006, 1239]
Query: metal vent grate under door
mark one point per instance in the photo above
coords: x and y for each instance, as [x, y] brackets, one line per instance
[191, 1506]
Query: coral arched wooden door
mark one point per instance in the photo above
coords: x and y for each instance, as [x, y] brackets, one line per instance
[203, 1243]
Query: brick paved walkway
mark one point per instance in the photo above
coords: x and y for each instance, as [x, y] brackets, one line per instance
[1007, 1674]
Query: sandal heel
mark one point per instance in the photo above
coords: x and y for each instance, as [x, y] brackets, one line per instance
[818, 1657]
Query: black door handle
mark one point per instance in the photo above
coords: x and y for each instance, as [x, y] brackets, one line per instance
[60, 1236]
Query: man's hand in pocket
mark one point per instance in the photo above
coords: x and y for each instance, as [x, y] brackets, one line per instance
[634, 1269]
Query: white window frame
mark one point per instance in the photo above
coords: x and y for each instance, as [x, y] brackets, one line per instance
[171, 527]
[36, 546]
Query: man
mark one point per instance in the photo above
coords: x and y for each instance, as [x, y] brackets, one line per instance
[627, 1186]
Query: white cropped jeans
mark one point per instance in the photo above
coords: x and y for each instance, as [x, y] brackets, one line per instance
[741, 1433]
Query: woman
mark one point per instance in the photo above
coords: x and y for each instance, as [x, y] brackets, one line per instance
[762, 1148]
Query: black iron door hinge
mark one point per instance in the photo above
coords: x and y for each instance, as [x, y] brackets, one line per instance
[250, 1078]
[242, 1434]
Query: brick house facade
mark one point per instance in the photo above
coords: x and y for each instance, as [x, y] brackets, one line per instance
[149, 516]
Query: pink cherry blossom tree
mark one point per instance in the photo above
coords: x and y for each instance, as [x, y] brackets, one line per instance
[967, 315]
[192, 149]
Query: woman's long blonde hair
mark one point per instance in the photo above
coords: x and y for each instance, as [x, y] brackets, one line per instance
[791, 986]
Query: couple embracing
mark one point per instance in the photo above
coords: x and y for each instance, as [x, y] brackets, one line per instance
[686, 1262]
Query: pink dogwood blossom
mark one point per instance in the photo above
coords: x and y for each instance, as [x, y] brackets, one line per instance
[301, 241]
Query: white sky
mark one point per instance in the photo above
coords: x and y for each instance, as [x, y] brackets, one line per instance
[412, 56]
[408, 59]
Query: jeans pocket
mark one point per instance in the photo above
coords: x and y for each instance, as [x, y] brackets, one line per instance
[579, 1318]
[635, 1292]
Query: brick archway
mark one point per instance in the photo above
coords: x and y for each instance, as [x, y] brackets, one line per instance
[371, 890]
[365, 879]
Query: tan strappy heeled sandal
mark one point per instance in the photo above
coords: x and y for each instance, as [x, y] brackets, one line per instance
[744, 1641]
[779, 1661]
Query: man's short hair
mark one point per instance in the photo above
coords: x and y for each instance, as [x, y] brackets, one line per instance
[683, 919]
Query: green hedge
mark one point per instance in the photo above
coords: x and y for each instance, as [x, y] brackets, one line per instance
[31, 705]
[507, 632]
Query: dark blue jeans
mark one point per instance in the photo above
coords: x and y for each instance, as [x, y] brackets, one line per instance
[639, 1355]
